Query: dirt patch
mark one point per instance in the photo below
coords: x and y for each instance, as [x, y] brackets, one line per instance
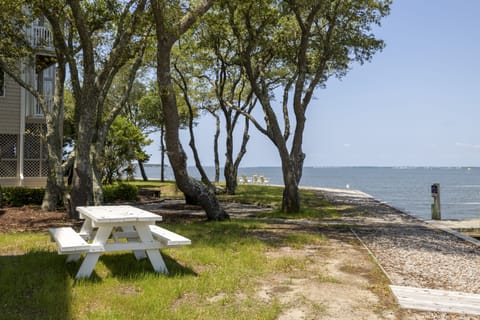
[333, 280]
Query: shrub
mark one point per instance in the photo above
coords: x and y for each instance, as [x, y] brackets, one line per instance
[20, 196]
[122, 192]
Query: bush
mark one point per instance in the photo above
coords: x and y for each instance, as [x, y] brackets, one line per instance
[20, 196]
[122, 192]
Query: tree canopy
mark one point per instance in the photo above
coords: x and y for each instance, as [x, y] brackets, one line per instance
[239, 55]
[296, 46]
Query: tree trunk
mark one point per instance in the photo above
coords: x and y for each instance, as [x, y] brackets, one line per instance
[230, 173]
[81, 194]
[166, 37]
[231, 166]
[204, 178]
[55, 189]
[292, 165]
[96, 153]
[82, 183]
[162, 154]
[193, 190]
[215, 147]
[142, 170]
[292, 162]
[291, 192]
[229, 170]
[193, 147]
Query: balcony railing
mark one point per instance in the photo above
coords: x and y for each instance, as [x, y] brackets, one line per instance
[41, 37]
[37, 112]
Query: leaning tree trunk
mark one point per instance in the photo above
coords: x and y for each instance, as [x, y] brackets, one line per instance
[206, 181]
[142, 170]
[194, 190]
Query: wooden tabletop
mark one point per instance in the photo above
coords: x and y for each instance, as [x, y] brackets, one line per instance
[112, 214]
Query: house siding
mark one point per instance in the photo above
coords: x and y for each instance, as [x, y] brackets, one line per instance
[37, 182]
[10, 108]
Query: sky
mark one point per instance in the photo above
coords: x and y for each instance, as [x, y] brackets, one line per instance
[417, 103]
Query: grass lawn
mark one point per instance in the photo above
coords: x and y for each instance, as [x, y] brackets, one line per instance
[214, 278]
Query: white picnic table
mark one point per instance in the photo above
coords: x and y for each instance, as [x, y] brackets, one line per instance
[115, 228]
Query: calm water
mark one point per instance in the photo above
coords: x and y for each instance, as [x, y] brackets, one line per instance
[405, 188]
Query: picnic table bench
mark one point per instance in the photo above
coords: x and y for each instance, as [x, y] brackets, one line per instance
[115, 228]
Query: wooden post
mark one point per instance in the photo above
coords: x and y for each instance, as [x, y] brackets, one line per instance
[436, 213]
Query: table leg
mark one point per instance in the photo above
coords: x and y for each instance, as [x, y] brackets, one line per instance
[91, 258]
[88, 265]
[87, 229]
[74, 257]
[153, 255]
[139, 254]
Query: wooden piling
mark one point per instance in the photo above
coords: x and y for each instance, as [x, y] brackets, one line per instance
[436, 212]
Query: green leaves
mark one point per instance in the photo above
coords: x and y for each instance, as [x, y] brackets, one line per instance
[316, 38]
[124, 144]
[14, 21]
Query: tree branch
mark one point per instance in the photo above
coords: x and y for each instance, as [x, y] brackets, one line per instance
[31, 89]
[191, 17]
[250, 117]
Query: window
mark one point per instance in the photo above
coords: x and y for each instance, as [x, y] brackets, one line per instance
[2, 83]
[46, 85]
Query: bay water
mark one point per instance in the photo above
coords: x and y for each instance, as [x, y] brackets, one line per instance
[406, 188]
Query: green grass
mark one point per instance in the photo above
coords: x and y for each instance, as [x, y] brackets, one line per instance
[313, 207]
[265, 195]
[168, 189]
[214, 278]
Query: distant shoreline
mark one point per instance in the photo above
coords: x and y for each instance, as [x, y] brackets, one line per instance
[340, 167]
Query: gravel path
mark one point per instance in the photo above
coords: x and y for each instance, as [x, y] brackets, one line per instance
[411, 251]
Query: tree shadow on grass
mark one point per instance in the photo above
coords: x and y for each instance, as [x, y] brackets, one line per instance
[126, 266]
[35, 285]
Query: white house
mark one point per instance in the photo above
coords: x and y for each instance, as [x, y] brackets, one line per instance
[22, 152]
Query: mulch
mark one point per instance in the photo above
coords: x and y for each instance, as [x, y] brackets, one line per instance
[31, 218]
